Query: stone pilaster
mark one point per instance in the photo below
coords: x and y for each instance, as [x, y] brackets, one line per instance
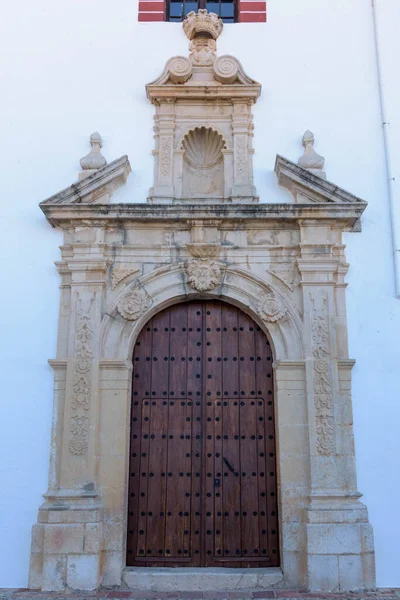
[339, 537]
[66, 542]
[163, 190]
[242, 133]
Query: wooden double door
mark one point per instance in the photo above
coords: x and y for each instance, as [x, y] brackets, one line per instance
[202, 480]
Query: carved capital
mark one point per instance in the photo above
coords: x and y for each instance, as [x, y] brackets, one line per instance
[203, 275]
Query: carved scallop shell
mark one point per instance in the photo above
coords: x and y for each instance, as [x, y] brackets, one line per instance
[203, 147]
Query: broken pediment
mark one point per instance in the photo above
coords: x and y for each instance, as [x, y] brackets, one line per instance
[203, 122]
[307, 187]
[97, 181]
[203, 71]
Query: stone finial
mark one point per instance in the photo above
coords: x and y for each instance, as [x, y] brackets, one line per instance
[202, 24]
[93, 161]
[310, 160]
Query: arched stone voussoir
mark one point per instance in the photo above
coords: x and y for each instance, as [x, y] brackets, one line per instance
[168, 285]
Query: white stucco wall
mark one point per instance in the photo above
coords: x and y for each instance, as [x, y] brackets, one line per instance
[71, 68]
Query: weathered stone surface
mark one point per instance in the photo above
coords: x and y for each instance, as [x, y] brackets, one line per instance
[188, 579]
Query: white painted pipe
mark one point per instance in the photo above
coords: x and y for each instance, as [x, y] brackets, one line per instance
[394, 202]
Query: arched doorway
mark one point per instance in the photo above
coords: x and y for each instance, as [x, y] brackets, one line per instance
[202, 477]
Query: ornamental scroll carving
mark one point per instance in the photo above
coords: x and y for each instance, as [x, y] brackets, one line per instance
[270, 307]
[323, 393]
[203, 275]
[81, 389]
[133, 304]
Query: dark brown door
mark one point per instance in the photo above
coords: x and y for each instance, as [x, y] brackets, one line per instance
[202, 485]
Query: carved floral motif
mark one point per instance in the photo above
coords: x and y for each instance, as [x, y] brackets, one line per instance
[240, 157]
[285, 275]
[118, 274]
[165, 156]
[133, 304]
[203, 275]
[79, 425]
[270, 307]
[323, 397]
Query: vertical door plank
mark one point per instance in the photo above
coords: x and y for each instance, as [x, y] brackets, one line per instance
[158, 438]
[195, 386]
[178, 444]
[213, 429]
[248, 439]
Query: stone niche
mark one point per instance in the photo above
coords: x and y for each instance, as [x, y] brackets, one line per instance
[203, 123]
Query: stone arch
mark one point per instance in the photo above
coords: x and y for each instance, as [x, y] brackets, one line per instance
[167, 285]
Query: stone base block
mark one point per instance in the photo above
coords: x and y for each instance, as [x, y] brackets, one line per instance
[340, 552]
[66, 545]
[191, 579]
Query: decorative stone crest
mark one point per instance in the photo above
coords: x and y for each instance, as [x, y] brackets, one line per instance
[270, 307]
[133, 304]
[118, 274]
[203, 24]
[310, 160]
[203, 275]
[323, 397]
[81, 389]
[202, 52]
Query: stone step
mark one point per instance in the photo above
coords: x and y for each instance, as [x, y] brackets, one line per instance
[201, 579]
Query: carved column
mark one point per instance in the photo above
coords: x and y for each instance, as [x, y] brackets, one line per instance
[67, 539]
[339, 537]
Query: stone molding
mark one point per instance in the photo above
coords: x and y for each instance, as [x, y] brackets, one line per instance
[97, 187]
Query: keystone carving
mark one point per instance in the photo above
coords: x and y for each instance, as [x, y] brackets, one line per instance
[270, 307]
[203, 275]
[133, 304]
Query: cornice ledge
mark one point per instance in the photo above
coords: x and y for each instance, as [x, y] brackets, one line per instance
[63, 215]
[209, 91]
[346, 363]
[96, 188]
[311, 187]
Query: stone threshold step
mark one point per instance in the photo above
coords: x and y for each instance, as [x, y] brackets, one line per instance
[149, 579]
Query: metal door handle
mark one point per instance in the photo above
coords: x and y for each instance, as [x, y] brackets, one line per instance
[228, 464]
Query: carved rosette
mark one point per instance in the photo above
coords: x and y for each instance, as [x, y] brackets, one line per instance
[81, 389]
[133, 304]
[323, 393]
[270, 307]
[203, 275]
